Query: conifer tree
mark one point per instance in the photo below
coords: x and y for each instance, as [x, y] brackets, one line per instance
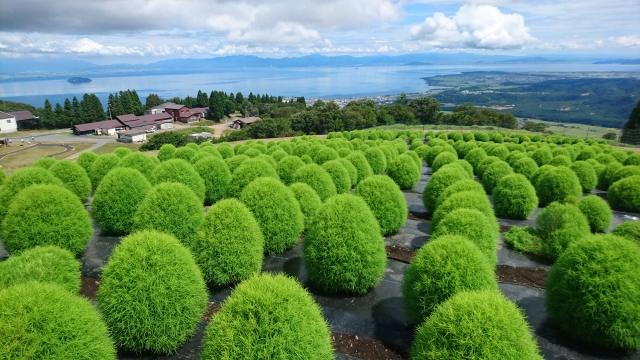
[48, 119]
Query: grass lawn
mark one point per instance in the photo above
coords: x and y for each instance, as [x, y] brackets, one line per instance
[77, 147]
[108, 148]
[23, 159]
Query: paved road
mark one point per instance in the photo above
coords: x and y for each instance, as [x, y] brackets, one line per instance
[67, 148]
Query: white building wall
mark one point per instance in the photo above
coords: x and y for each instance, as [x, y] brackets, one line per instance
[8, 125]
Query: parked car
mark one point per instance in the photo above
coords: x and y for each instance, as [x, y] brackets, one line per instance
[151, 130]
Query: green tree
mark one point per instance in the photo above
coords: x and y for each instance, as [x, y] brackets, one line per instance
[631, 129]
[138, 107]
[239, 98]
[69, 113]
[426, 109]
[77, 110]
[60, 121]
[402, 99]
[153, 100]
[115, 105]
[202, 100]
[217, 102]
[48, 119]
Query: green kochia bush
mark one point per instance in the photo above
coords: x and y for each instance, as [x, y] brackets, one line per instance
[442, 159]
[624, 195]
[287, 166]
[625, 172]
[605, 176]
[484, 164]
[629, 230]
[166, 152]
[386, 201]
[524, 239]
[542, 156]
[225, 150]
[235, 161]
[556, 184]
[140, 162]
[122, 152]
[277, 212]
[459, 186]
[464, 200]
[351, 170]
[171, 208]
[102, 166]
[229, 245]
[46, 264]
[403, 171]
[152, 294]
[560, 160]
[247, 172]
[593, 292]
[308, 199]
[493, 173]
[74, 178]
[475, 156]
[185, 153]
[344, 250]
[46, 215]
[438, 182]
[45, 163]
[216, 176]
[559, 225]
[525, 166]
[376, 159]
[441, 269]
[514, 197]
[270, 317]
[339, 175]
[475, 227]
[86, 159]
[179, 171]
[319, 180]
[20, 180]
[597, 212]
[361, 164]
[475, 325]
[44, 321]
[586, 175]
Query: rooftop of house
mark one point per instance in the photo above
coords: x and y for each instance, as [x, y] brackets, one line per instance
[108, 124]
[22, 115]
[4, 115]
[248, 120]
[132, 132]
[164, 105]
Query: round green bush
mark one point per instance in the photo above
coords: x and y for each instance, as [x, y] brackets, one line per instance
[325, 154]
[85, 160]
[403, 171]
[493, 173]
[102, 166]
[21, 179]
[605, 177]
[464, 200]
[166, 152]
[514, 156]
[229, 245]
[443, 159]
[306, 159]
[624, 195]
[271, 161]
[500, 152]
[45, 264]
[633, 159]
[625, 172]
[117, 199]
[44, 321]
[121, 152]
[542, 156]
[629, 230]
[277, 211]
[361, 164]
[475, 156]
[319, 180]
[351, 170]
[605, 159]
[74, 178]
[556, 184]
[592, 292]
[179, 171]
[474, 226]
[597, 212]
[225, 150]
[235, 161]
[484, 164]
[416, 159]
[475, 325]
[199, 156]
[438, 182]
[216, 176]
[459, 186]
[559, 225]
[287, 166]
[441, 269]
[376, 159]
[46, 215]
[247, 172]
[525, 166]
[586, 175]
[344, 250]
[308, 199]
[140, 162]
[152, 294]
[171, 208]
[386, 202]
[185, 153]
[514, 197]
[434, 152]
[339, 175]
[585, 154]
[560, 160]
[290, 323]
[300, 149]
[279, 155]
[45, 163]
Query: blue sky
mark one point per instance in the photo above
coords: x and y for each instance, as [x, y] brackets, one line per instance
[115, 31]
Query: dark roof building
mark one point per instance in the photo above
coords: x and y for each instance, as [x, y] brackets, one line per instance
[23, 115]
[242, 122]
[88, 128]
[127, 117]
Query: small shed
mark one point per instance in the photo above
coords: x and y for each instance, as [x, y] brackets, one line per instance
[132, 136]
[244, 122]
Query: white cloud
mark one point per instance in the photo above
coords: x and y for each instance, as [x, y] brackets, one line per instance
[474, 26]
[629, 41]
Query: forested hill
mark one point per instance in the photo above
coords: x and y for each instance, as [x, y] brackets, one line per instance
[592, 101]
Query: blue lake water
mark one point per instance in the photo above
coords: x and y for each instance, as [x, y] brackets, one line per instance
[318, 82]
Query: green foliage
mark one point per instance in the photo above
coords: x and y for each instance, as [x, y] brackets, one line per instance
[216, 176]
[592, 292]
[629, 230]
[442, 159]
[277, 211]
[475, 156]
[225, 150]
[171, 208]
[44, 321]
[45, 163]
[247, 172]
[45, 264]
[319, 180]
[493, 173]
[21, 179]
[464, 200]
[500, 152]
[339, 175]
[556, 184]
[624, 195]
[174, 138]
[101, 167]
[559, 225]
[542, 156]
[484, 164]
[344, 250]
[229, 245]
[633, 159]
[386, 201]
[167, 152]
[199, 156]
[605, 177]
[473, 226]
[152, 294]
[361, 164]
[185, 153]
[74, 178]
[287, 166]
[441, 269]
[351, 170]
[535, 178]
[586, 175]
[524, 239]
[268, 316]
[46, 215]
[459, 186]
[140, 162]
[514, 197]
[85, 160]
[597, 212]
[438, 182]
[121, 152]
[308, 199]
[403, 171]
[625, 172]
[560, 160]
[235, 161]
[179, 171]
[325, 154]
[376, 159]
[475, 325]
[525, 166]
[3, 176]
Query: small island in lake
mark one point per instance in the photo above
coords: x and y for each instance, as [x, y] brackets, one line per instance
[79, 80]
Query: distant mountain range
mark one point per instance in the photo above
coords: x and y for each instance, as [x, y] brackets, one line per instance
[52, 67]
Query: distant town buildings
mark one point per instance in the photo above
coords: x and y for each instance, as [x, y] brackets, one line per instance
[125, 122]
